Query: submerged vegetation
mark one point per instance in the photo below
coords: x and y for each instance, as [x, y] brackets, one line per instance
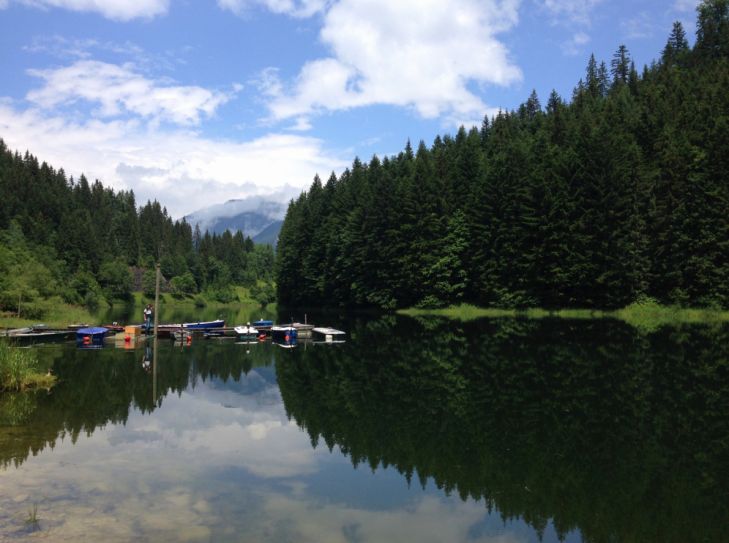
[20, 370]
[617, 195]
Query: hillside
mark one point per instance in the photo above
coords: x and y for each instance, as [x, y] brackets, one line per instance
[615, 196]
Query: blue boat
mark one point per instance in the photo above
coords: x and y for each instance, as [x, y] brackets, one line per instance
[91, 337]
[262, 325]
[284, 334]
[220, 323]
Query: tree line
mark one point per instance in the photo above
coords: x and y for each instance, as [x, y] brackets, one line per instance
[77, 242]
[619, 194]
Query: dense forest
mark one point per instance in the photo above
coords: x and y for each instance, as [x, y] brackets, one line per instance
[615, 196]
[69, 240]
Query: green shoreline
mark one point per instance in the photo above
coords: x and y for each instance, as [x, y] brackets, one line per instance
[641, 315]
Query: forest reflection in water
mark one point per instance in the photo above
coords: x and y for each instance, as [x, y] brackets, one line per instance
[587, 427]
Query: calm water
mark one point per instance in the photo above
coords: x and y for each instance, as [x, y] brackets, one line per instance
[413, 430]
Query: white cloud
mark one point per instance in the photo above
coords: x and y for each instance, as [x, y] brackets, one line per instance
[422, 54]
[292, 8]
[572, 11]
[119, 10]
[183, 170]
[119, 90]
[575, 45]
[640, 26]
[686, 5]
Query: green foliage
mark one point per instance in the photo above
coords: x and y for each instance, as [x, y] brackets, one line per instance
[116, 280]
[264, 294]
[183, 285]
[149, 283]
[618, 195]
[77, 239]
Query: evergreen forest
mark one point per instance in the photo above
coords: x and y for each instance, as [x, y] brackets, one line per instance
[66, 240]
[616, 195]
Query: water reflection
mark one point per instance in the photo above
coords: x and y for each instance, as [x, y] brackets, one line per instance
[590, 425]
[499, 430]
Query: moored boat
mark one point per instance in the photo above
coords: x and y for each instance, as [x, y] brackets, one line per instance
[41, 336]
[91, 337]
[246, 331]
[304, 330]
[262, 325]
[205, 325]
[284, 334]
[330, 335]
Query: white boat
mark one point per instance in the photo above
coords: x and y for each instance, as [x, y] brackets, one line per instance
[246, 331]
[329, 334]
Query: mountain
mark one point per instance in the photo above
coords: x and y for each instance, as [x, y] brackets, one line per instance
[256, 217]
[269, 235]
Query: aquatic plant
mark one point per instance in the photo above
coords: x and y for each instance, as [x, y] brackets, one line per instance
[19, 369]
[32, 520]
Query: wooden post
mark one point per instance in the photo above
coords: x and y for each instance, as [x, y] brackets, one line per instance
[156, 302]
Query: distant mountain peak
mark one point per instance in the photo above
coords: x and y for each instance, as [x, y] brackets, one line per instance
[251, 216]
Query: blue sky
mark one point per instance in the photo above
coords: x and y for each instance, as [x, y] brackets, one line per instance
[194, 102]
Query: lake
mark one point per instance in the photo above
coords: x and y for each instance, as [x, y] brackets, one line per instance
[497, 430]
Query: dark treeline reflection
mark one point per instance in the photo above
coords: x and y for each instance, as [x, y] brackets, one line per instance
[100, 387]
[622, 435]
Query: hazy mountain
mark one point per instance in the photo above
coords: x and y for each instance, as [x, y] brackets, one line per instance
[255, 216]
[269, 234]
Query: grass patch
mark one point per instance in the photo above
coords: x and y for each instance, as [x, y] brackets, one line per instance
[646, 315]
[19, 369]
[58, 316]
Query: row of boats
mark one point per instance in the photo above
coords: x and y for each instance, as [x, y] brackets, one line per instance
[87, 336]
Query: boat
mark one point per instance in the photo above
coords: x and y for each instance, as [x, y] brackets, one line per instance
[284, 334]
[220, 323]
[246, 331]
[330, 335]
[303, 329]
[91, 337]
[43, 335]
[262, 325]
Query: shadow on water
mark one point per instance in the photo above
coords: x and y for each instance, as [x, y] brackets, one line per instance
[587, 425]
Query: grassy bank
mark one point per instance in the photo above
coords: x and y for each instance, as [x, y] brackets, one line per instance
[199, 300]
[58, 316]
[647, 315]
[20, 370]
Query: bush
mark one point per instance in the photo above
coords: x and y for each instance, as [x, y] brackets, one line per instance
[116, 280]
[183, 285]
[263, 294]
[149, 283]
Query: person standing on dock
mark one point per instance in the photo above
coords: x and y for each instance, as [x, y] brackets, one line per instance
[147, 318]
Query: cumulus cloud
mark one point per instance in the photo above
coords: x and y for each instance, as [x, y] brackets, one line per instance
[422, 54]
[119, 89]
[292, 8]
[119, 10]
[191, 171]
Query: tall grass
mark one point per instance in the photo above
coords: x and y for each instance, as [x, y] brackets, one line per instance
[19, 369]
